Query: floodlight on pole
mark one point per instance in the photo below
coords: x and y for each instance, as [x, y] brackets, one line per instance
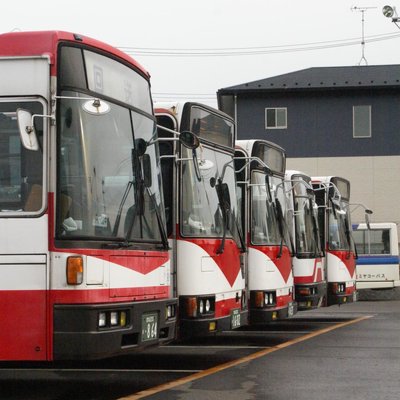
[390, 12]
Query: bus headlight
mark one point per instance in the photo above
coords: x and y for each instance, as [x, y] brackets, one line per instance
[102, 322]
[205, 305]
[262, 299]
[170, 311]
[208, 305]
[123, 319]
[269, 299]
[338, 288]
[195, 307]
[114, 318]
[201, 306]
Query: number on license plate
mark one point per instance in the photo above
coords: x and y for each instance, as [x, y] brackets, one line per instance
[149, 327]
[235, 319]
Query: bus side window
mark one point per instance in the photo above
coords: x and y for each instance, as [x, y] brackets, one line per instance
[386, 241]
[34, 198]
[31, 170]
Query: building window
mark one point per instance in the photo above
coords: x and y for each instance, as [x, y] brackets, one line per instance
[275, 118]
[361, 121]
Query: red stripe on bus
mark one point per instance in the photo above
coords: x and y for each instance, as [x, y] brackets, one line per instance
[224, 308]
[228, 261]
[347, 258]
[283, 263]
[316, 275]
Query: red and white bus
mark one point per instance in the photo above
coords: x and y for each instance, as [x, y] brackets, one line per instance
[308, 261]
[84, 263]
[332, 195]
[260, 170]
[202, 214]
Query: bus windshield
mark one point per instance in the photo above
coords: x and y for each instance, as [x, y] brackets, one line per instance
[339, 228]
[264, 225]
[21, 172]
[201, 212]
[101, 193]
[306, 236]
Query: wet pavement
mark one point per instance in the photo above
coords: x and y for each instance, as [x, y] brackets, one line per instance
[352, 351]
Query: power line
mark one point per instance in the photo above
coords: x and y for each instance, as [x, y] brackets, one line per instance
[184, 95]
[247, 51]
[253, 47]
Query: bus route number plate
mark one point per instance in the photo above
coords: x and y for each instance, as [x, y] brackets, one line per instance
[235, 318]
[149, 327]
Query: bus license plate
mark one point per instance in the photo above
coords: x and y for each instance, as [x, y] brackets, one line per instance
[290, 309]
[149, 327]
[235, 318]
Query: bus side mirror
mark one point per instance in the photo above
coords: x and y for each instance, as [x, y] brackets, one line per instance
[140, 147]
[189, 140]
[367, 214]
[268, 184]
[223, 194]
[146, 165]
[27, 130]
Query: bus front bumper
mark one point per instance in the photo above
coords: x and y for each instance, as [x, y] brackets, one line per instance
[261, 316]
[94, 331]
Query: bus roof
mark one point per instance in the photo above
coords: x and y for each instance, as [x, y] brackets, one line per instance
[44, 43]
[342, 184]
[289, 173]
[248, 144]
[275, 158]
[375, 225]
[175, 109]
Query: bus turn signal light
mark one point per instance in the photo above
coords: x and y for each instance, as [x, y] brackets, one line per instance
[259, 299]
[304, 291]
[191, 307]
[74, 270]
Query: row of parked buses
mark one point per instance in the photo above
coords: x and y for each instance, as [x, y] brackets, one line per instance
[125, 223]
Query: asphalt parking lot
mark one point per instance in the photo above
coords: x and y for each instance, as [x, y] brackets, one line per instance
[352, 351]
[358, 360]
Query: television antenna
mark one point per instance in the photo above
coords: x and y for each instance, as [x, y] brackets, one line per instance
[362, 10]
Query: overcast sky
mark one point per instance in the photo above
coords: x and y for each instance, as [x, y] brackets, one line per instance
[193, 48]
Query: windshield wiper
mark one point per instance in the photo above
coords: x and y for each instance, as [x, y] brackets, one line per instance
[279, 216]
[283, 228]
[121, 206]
[221, 247]
[139, 207]
[224, 204]
[117, 245]
[241, 245]
[163, 232]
